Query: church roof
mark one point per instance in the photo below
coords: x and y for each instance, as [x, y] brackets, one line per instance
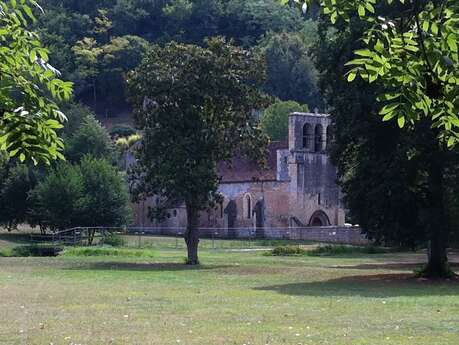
[309, 114]
[244, 170]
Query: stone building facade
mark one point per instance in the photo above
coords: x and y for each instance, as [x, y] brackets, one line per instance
[298, 188]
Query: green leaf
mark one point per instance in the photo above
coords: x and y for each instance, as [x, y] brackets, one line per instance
[389, 108]
[452, 42]
[389, 116]
[369, 7]
[351, 76]
[364, 52]
[401, 121]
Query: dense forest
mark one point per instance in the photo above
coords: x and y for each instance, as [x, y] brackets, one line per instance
[94, 43]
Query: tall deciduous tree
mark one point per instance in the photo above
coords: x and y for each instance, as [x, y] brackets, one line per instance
[29, 86]
[291, 74]
[410, 49]
[195, 108]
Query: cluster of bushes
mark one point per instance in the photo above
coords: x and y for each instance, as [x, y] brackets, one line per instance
[32, 250]
[104, 251]
[331, 250]
[287, 251]
[326, 250]
[114, 240]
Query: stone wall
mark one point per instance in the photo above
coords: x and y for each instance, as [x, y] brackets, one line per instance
[326, 234]
[329, 234]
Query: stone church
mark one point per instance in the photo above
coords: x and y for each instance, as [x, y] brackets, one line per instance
[298, 189]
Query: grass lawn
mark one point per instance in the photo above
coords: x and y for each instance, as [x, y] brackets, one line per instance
[233, 298]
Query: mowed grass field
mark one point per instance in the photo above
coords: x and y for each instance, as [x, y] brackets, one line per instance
[235, 297]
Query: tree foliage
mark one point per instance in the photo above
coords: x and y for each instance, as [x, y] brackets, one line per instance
[194, 107]
[275, 118]
[418, 169]
[411, 48]
[291, 74]
[90, 138]
[29, 88]
[16, 182]
[91, 193]
[96, 44]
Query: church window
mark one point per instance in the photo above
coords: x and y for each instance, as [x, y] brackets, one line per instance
[248, 208]
[318, 138]
[307, 136]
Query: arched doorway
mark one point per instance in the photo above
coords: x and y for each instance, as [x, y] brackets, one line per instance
[319, 218]
[231, 215]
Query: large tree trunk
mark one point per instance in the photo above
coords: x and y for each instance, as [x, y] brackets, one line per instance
[437, 224]
[437, 265]
[192, 234]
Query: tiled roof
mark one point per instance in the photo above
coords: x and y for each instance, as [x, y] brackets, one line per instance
[243, 170]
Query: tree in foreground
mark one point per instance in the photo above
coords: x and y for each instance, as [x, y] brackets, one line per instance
[410, 50]
[275, 118]
[29, 86]
[194, 106]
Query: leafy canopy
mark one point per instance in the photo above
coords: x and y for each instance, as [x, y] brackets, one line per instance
[91, 193]
[29, 88]
[275, 118]
[412, 50]
[195, 108]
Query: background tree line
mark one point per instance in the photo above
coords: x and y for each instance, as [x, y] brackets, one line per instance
[96, 43]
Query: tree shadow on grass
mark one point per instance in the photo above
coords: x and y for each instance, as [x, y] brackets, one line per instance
[15, 238]
[376, 286]
[396, 266]
[134, 266]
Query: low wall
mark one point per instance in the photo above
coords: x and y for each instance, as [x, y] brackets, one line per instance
[332, 234]
[328, 234]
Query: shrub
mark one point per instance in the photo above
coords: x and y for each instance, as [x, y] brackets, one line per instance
[114, 240]
[33, 250]
[81, 251]
[287, 251]
[331, 250]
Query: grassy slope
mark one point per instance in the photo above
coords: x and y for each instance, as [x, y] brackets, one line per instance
[235, 298]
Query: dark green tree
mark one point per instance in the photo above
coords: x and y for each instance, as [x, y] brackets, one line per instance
[291, 74]
[57, 200]
[89, 138]
[416, 164]
[194, 107]
[106, 198]
[16, 182]
[91, 193]
[275, 118]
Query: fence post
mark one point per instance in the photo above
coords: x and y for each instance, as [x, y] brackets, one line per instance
[54, 244]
